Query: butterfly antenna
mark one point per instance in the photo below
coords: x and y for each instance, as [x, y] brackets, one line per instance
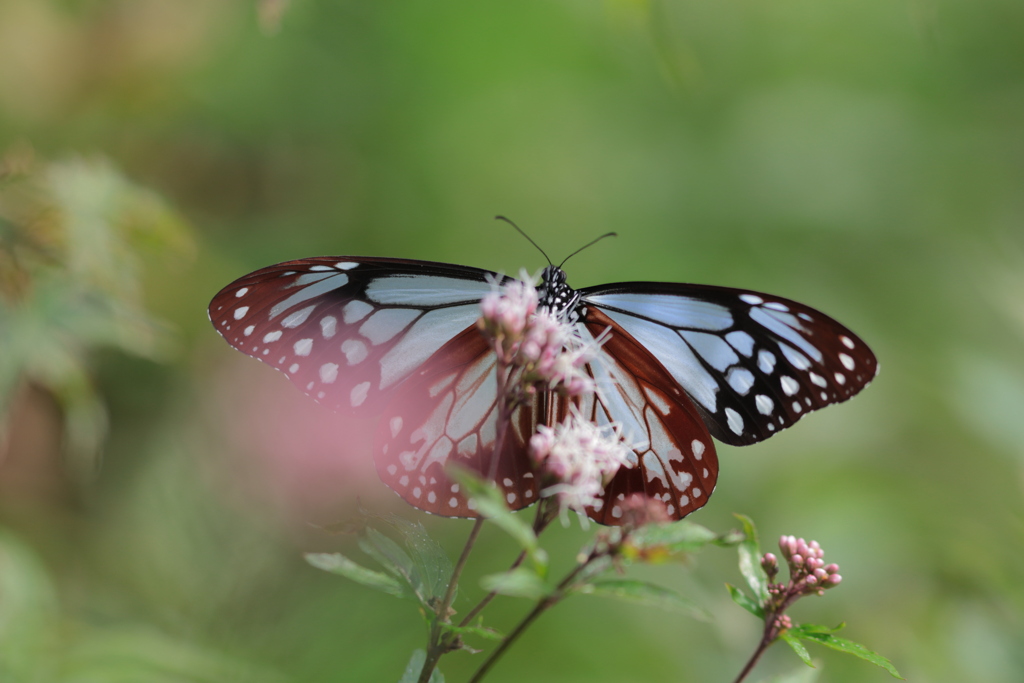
[589, 244]
[502, 218]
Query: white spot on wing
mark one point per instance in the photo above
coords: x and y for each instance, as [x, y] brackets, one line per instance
[271, 336]
[751, 299]
[712, 348]
[658, 402]
[355, 311]
[245, 290]
[741, 341]
[764, 404]
[846, 360]
[425, 290]
[303, 347]
[698, 449]
[840, 378]
[740, 379]
[765, 361]
[677, 311]
[789, 385]
[328, 326]
[240, 312]
[328, 373]
[735, 421]
[396, 425]
[355, 351]
[249, 330]
[346, 265]
[328, 284]
[386, 323]
[358, 394]
[784, 325]
[847, 342]
[293, 320]
[796, 359]
[818, 379]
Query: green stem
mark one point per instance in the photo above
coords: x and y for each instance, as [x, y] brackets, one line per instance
[436, 641]
[540, 522]
[541, 606]
[766, 641]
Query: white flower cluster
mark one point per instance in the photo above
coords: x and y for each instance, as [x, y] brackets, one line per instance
[582, 456]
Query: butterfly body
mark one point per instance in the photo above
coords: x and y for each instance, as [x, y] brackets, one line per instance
[680, 363]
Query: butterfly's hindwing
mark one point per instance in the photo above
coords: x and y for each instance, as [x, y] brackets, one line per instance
[674, 461]
[446, 414]
[752, 363]
[347, 331]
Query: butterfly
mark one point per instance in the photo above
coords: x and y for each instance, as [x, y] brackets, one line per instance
[396, 340]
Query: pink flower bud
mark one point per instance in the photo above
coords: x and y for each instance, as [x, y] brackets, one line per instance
[832, 568]
[796, 560]
[811, 580]
[834, 579]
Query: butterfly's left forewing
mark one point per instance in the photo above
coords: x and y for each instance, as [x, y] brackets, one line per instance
[348, 331]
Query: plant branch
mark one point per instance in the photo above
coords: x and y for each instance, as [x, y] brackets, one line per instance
[437, 643]
[540, 522]
[541, 606]
[766, 641]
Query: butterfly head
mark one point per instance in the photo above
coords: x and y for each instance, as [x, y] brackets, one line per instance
[555, 294]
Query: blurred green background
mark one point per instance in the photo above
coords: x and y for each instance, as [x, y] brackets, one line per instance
[157, 489]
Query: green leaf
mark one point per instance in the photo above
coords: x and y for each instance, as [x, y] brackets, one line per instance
[679, 537]
[794, 642]
[806, 629]
[428, 557]
[741, 599]
[750, 560]
[519, 583]
[395, 560]
[415, 665]
[646, 594]
[490, 502]
[336, 563]
[480, 631]
[850, 647]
